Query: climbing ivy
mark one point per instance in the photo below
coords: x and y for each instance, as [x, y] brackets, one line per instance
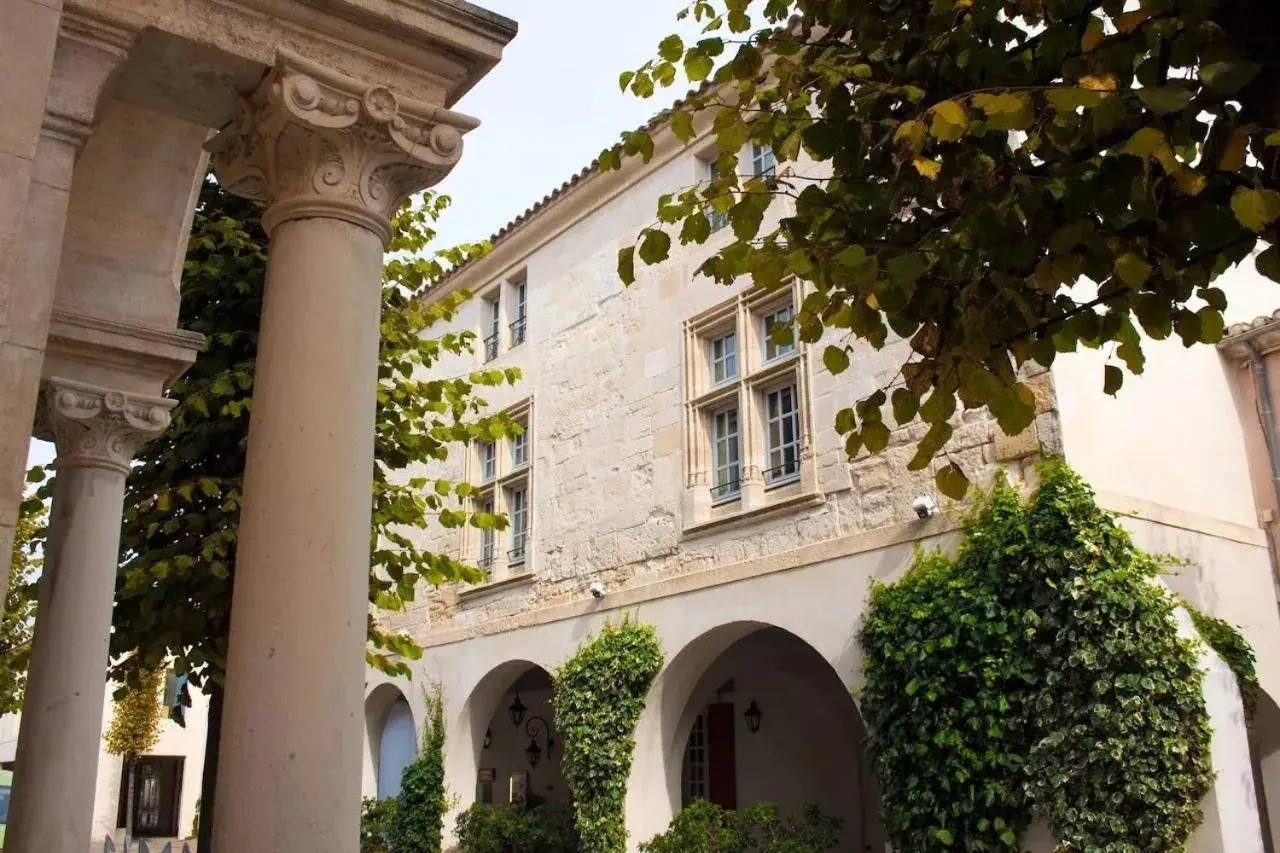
[418, 816]
[1038, 673]
[1234, 649]
[599, 694]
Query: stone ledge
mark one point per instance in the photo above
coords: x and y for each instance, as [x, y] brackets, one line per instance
[484, 591]
[729, 522]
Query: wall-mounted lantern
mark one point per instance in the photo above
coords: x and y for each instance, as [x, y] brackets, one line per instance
[488, 738]
[535, 727]
[752, 716]
[516, 711]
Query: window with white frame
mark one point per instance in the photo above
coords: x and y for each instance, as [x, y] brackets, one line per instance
[506, 488]
[779, 318]
[782, 435]
[519, 290]
[695, 762]
[492, 332]
[726, 455]
[518, 516]
[746, 396]
[763, 163]
[723, 352]
[717, 219]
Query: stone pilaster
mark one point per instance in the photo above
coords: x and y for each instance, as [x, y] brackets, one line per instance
[97, 430]
[333, 158]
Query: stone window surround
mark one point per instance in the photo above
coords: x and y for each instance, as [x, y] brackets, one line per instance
[745, 315]
[497, 490]
[506, 329]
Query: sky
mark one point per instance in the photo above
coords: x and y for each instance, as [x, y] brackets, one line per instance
[548, 108]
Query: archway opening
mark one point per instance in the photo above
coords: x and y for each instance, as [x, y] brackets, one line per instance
[392, 739]
[1264, 748]
[767, 720]
[518, 747]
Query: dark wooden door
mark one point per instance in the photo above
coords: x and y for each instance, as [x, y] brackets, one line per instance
[722, 771]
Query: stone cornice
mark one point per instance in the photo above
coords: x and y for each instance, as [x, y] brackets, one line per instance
[90, 48]
[129, 354]
[1262, 335]
[315, 143]
[95, 427]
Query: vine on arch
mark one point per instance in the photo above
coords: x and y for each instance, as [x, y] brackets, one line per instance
[599, 695]
[1039, 672]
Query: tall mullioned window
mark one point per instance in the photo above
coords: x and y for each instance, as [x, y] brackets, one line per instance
[505, 474]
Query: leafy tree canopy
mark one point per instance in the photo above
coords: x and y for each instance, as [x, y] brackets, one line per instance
[178, 541]
[995, 181]
[18, 619]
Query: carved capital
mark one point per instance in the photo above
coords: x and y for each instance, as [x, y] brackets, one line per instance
[315, 143]
[97, 427]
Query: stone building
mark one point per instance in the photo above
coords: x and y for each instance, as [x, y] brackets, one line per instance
[678, 466]
[331, 112]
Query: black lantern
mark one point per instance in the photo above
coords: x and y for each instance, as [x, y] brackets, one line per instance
[516, 711]
[535, 727]
[753, 715]
[534, 753]
[488, 738]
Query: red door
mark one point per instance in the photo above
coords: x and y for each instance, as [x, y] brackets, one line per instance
[722, 772]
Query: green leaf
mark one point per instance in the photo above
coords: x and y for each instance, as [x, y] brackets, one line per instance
[655, 245]
[1269, 263]
[905, 405]
[1132, 269]
[698, 66]
[835, 358]
[682, 125]
[951, 481]
[944, 836]
[1166, 99]
[671, 48]
[627, 264]
[1255, 209]
[1112, 379]
[1227, 78]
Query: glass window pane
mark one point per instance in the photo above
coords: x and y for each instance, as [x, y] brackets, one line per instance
[782, 435]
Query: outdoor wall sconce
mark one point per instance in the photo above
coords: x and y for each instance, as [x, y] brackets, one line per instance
[535, 727]
[488, 738]
[516, 711]
[752, 716]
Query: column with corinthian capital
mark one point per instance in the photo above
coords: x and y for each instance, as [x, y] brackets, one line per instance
[333, 158]
[96, 431]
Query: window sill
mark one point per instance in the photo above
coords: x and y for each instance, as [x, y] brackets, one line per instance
[483, 591]
[730, 521]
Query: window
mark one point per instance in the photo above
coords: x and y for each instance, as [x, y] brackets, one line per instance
[486, 538]
[520, 450]
[772, 320]
[518, 324]
[763, 163]
[724, 358]
[746, 399]
[695, 762]
[157, 789]
[494, 312]
[506, 477]
[725, 455]
[518, 512]
[782, 436]
[717, 219]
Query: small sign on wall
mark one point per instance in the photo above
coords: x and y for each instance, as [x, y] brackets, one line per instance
[484, 784]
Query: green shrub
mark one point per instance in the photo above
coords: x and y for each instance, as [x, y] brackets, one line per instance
[376, 818]
[419, 813]
[706, 828]
[543, 828]
[599, 695]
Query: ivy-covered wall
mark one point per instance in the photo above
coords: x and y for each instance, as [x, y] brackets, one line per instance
[1039, 672]
[599, 695]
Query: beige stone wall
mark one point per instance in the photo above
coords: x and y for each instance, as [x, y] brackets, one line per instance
[604, 366]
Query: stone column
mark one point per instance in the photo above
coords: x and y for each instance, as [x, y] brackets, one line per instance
[333, 158]
[97, 431]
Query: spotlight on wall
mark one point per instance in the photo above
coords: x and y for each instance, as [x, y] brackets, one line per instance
[597, 590]
[516, 711]
[925, 506]
[752, 716]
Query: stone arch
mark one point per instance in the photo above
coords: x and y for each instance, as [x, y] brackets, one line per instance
[391, 741]
[809, 746]
[501, 742]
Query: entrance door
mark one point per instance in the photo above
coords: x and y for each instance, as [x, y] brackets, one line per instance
[722, 771]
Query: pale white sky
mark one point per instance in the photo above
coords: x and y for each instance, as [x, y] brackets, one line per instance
[547, 109]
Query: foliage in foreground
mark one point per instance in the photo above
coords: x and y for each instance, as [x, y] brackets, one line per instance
[703, 827]
[1038, 672]
[1230, 645]
[135, 722]
[540, 828]
[418, 815]
[599, 696]
[18, 620]
[994, 181]
[377, 817]
[182, 506]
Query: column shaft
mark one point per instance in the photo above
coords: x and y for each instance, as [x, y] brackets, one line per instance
[56, 769]
[289, 770]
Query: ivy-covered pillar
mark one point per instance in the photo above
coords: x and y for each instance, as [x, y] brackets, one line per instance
[333, 158]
